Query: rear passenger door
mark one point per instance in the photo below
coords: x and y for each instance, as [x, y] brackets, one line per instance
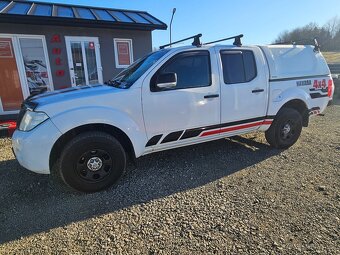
[244, 88]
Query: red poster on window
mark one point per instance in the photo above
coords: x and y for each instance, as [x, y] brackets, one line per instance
[123, 53]
[5, 49]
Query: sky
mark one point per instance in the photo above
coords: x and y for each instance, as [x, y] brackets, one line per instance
[261, 21]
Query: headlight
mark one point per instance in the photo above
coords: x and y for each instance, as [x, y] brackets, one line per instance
[32, 119]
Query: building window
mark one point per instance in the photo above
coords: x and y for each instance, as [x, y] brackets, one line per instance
[123, 52]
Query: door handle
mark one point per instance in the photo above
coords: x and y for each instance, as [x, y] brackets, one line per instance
[257, 90]
[211, 96]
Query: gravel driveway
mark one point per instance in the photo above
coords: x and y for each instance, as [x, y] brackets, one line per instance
[231, 196]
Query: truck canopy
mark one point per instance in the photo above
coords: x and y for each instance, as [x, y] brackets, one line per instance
[294, 61]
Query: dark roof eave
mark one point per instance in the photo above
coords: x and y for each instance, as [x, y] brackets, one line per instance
[78, 6]
[71, 22]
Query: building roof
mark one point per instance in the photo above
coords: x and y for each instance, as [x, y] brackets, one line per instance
[30, 12]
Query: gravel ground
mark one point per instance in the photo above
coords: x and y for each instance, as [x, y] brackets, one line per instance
[231, 196]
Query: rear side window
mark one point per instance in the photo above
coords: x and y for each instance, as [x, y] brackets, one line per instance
[192, 68]
[238, 66]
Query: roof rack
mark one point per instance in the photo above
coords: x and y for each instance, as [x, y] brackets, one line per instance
[237, 41]
[196, 41]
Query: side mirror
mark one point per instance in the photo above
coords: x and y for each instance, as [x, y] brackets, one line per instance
[167, 81]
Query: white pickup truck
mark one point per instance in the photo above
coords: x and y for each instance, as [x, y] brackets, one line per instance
[171, 98]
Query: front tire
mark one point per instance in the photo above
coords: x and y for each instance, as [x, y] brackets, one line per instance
[91, 162]
[285, 129]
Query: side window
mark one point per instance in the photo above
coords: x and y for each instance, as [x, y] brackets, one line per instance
[238, 66]
[192, 69]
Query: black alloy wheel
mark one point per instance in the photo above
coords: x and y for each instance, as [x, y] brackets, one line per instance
[94, 165]
[90, 162]
[285, 129]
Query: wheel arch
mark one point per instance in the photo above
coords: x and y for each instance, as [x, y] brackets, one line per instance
[121, 136]
[301, 107]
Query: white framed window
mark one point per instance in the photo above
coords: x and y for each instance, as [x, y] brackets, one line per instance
[123, 52]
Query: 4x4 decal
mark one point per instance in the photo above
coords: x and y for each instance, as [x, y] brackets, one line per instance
[319, 87]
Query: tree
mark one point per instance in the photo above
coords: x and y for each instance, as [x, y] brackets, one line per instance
[328, 35]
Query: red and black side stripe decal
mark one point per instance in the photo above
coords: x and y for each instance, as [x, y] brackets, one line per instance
[317, 95]
[237, 127]
[154, 140]
[190, 133]
[194, 132]
[325, 90]
[174, 136]
[211, 130]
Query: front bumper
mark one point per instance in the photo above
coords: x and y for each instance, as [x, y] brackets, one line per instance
[32, 149]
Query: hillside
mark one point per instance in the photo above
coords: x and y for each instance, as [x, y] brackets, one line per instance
[332, 57]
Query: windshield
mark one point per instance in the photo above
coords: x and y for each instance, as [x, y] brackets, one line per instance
[130, 75]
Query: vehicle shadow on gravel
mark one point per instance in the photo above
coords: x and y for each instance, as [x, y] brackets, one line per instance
[30, 203]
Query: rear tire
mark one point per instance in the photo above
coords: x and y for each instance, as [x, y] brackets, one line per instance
[285, 129]
[91, 162]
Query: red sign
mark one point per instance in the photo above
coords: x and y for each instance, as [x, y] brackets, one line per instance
[60, 73]
[55, 39]
[56, 51]
[6, 49]
[123, 50]
[58, 61]
[91, 45]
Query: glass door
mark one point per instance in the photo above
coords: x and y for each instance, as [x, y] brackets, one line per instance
[84, 60]
[36, 66]
[11, 95]
[24, 69]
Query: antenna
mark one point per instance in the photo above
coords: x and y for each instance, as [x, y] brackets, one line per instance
[196, 41]
[237, 41]
[172, 17]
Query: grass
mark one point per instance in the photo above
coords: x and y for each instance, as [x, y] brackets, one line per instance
[332, 57]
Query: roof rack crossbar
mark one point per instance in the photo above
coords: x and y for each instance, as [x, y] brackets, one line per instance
[237, 41]
[302, 41]
[196, 41]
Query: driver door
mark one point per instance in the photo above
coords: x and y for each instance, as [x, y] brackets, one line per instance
[173, 116]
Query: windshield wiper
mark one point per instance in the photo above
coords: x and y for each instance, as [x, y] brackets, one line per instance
[117, 83]
[113, 83]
